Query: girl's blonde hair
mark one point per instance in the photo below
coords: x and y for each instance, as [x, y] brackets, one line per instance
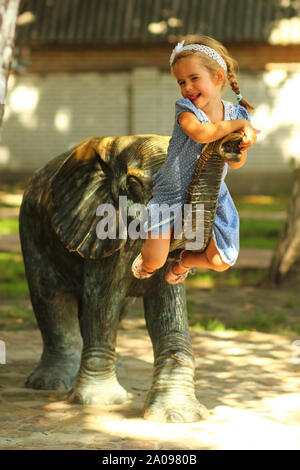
[213, 66]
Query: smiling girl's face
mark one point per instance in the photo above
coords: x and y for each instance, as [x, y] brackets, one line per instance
[197, 83]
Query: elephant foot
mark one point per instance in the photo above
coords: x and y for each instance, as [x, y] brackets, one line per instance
[166, 407]
[99, 393]
[53, 374]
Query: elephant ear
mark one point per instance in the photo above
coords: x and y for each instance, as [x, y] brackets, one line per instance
[79, 185]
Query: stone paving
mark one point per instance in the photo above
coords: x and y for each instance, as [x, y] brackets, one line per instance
[250, 382]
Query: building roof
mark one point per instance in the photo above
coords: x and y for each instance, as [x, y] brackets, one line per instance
[96, 23]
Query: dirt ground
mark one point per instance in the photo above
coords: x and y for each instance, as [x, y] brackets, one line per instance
[250, 382]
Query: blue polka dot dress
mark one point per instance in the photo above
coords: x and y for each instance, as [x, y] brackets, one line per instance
[174, 177]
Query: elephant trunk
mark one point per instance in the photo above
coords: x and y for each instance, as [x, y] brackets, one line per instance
[203, 192]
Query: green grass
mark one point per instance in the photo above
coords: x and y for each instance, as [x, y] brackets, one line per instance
[8, 205]
[16, 315]
[202, 322]
[289, 303]
[259, 233]
[266, 320]
[236, 277]
[261, 320]
[9, 226]
[14, 294]
[254, 233]
[17, 318]
[13, 283]
[278, 315]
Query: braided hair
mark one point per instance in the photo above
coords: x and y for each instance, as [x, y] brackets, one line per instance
[231, 76]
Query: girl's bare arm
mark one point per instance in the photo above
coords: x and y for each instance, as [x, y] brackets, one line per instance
[205, 133]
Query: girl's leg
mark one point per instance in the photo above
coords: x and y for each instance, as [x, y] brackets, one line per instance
[210, 259]
[155, 251]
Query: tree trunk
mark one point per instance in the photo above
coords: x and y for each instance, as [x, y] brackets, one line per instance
[285, 264]
[8, 19]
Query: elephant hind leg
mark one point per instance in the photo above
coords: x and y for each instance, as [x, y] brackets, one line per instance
[62, 343]
[56, 311]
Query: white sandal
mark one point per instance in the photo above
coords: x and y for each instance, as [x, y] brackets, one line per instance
[137, 269]
[174, 278]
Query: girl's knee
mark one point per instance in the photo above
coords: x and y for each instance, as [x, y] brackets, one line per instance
[214, 258]
[216, 262]
[155, 253]
[153, 262]
[222, 267]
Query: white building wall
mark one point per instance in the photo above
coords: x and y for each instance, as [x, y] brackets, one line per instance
[145, 101]
[45, 115]
[275, 96]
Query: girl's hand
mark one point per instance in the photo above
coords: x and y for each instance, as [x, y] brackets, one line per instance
[248, 136]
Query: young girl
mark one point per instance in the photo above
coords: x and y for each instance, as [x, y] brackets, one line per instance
[201, 71]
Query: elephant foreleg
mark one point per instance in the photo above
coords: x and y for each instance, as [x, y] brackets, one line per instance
[99, 311]
[172, 395]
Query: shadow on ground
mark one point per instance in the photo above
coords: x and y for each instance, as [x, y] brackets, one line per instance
[248, 381]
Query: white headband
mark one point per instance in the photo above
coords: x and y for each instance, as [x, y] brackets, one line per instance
[201, 48]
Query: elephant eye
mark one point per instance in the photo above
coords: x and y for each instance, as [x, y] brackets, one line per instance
[135, 186]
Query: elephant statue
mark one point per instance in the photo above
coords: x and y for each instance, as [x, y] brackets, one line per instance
[79, 283]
